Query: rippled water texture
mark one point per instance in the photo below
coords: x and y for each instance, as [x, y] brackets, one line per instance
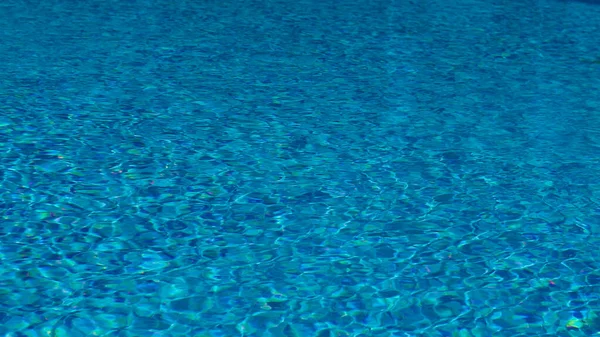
[297, 169]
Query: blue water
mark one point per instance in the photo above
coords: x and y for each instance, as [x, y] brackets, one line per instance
[299, 168]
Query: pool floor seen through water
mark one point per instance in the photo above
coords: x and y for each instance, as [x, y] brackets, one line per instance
[299, 168]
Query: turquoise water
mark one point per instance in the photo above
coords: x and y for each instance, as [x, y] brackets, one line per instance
[299, 168]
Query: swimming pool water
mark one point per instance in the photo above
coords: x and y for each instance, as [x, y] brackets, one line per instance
[299, 168]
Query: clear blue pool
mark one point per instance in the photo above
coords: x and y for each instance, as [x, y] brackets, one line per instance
[299, 168]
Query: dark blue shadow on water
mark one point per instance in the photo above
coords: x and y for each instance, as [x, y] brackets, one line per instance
[591, 2]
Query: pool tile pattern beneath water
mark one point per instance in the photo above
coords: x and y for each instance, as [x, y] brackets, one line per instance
[278, 168]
